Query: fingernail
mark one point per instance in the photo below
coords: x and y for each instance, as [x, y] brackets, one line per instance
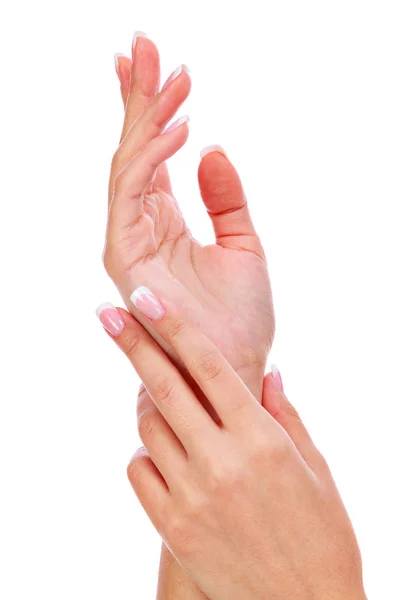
[276, 377]
[136, 35]
[116, 60]
[147, 303]
[212, 148]
[177, 123]
[174, 75]
[110, 319]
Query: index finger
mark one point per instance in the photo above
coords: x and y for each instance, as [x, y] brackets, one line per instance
[204, 361]
[169, 391]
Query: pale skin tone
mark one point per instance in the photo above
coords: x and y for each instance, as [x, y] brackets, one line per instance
[224, 288]
[248, 516]
[223, 291]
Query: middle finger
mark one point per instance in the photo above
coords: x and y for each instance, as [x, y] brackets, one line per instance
[151, 122]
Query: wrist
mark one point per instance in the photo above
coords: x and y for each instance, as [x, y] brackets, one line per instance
[253, 376]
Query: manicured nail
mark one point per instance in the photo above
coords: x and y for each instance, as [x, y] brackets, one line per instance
[116, 60]
[136, 35]
[276, 377]
[174, 75]
[212, 148]
[177, 123]
[147, 303]
[110, 318]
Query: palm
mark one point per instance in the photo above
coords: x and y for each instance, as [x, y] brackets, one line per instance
[225, 290]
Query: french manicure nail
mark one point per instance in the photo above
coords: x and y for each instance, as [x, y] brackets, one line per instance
[177, 123]
[136, 35]
[110, 318]
[175, 74]
[212, 148]
[116, 60]
[147, 303]
[276, 377]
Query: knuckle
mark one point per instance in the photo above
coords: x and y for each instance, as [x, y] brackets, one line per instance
[131, 343]
[164, 392]
[144, 403]
[146, 425]
[224, 476]
[142, 394]
[136, 465]
[176, 328]
[179, 535]
[209, 365]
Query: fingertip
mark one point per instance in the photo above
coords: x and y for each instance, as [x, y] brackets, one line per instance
[272, 394]
[276, 377]
[117, 56]
[145, 65]
[110, 318]
[177, 123]
[212, 148]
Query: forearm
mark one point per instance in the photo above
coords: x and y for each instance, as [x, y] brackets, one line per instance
[173, 582]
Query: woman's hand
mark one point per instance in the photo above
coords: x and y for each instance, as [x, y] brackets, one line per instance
[224, 287]
[247, 505]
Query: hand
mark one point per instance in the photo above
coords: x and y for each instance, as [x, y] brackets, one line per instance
[223, 287]
[248, 506]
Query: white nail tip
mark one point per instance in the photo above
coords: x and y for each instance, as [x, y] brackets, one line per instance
[102, 307]
[182, 120]
[274, 370]
[136, 35]
[212, 148]
[116, 57]
[177, 72]
[140, 291]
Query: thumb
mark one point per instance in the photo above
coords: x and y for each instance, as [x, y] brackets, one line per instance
[225, 201]
[276, 403]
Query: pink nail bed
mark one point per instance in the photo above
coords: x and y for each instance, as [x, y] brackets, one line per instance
[110, 319]
[145, 301]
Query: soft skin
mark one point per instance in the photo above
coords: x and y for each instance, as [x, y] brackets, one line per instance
[223, 287]
[247, 505]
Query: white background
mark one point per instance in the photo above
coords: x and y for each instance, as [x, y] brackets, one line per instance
[304, 97]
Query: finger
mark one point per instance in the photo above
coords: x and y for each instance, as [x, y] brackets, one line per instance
[130, 185]
[149, 487]
[144, 82]
[138, 88]
[144, 79]
[123, 66]
[225, 201]
[152, 121]
[173, 397]
[276, 403]
[221, 385]
[161, 443]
